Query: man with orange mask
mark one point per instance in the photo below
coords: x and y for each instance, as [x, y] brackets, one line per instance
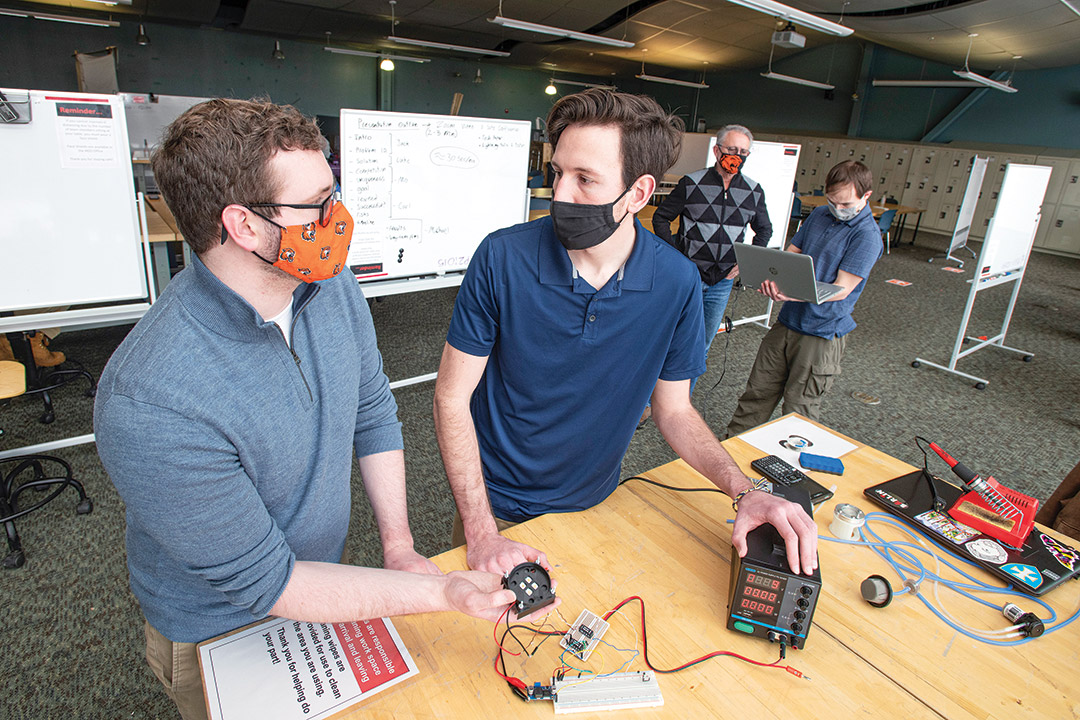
[228, 417]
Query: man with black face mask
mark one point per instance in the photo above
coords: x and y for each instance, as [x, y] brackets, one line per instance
[714, 206]
[563, 330]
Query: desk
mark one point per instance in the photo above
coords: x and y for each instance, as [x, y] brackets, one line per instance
[902, 211]
[673, 550]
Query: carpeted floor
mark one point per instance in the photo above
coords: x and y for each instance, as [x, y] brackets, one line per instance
[72, 630]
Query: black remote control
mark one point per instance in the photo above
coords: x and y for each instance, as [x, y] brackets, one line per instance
[782, 473]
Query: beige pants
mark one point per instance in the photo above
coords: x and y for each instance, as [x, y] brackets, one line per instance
[176, 666]
[791, 366]
[457, 538]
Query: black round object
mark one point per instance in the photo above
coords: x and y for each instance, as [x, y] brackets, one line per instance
[877, 591]
[531, 584]
[915, 364]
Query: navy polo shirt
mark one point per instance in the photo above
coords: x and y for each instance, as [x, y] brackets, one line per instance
[570, 368]
[852, 246]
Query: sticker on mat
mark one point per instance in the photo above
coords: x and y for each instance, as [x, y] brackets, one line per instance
[1026, 574]
[947, 527]
[1064, 554]
[987, 550]
[890, 498]
[901, 283]
[952, 269]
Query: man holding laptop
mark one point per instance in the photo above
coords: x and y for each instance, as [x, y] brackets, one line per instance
[800, 356]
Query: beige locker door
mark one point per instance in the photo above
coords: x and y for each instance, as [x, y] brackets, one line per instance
[1064, 234]
[1070, 190]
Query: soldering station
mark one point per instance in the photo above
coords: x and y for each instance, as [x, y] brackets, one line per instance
[979, 524]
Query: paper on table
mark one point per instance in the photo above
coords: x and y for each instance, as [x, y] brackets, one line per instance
[791, 436]
[287, 669]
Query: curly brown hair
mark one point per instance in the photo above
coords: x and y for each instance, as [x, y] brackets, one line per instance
[650, 137]
[218, 153]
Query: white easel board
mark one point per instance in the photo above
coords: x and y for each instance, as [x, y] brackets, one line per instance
[70, 231]
[1016, 218]
[967, 205]
[424, 190]
[773, 166]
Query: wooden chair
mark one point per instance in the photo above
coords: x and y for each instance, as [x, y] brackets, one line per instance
[49, 475]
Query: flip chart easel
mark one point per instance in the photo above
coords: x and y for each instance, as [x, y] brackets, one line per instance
[962, 230]
[1003, 260]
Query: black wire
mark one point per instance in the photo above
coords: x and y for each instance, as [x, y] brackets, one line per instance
[671, 487]
[938, 504]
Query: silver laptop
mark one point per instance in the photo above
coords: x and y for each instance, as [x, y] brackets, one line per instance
[792, 272]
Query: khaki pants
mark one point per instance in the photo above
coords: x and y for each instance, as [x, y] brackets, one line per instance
[176, 666]
[798, 368]
[457, 537]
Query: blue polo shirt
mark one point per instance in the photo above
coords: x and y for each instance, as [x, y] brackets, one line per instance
[570, 368]
[852, 246]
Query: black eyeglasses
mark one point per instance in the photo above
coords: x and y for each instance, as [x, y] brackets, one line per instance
[730, 150]
[326, 208]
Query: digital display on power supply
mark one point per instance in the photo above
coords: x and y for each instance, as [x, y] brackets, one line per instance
[761, 595]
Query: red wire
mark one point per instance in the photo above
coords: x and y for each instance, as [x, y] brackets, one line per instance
[494, 634]
[718, 653]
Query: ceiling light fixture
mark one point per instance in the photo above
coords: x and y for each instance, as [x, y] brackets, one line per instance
[386, 64]
[967, 74]
[798, 17]
[277, 54]
[925, 83]
[59, 18]
[368, 53]
[1070, 5]
[111, 2]
[582, 84]
[142, 38]
[446, 46]
[792, 79]
[670, 81]
[557, 32]
[551, 89]
[479, 79]
[797, 80]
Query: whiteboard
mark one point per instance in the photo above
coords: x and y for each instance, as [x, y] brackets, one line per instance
[70, 233]
[1016, 218]
[773, 166]
[967, 205]
[148, 115]
[424, 190]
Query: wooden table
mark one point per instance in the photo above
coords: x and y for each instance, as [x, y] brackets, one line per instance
[673, 550]
[902, 211]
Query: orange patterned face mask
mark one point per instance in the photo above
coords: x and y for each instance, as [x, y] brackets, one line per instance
[317, 250]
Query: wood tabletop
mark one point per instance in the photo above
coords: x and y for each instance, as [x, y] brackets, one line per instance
[673, 550]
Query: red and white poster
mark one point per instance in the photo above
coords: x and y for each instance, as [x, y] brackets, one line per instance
[288, 669]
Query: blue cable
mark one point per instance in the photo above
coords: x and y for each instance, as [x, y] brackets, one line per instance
[887, 549]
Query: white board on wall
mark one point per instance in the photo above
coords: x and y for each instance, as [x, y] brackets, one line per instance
[772, 165]
[69, 233]
[1016, 218]
[967, 205]
[424, 190]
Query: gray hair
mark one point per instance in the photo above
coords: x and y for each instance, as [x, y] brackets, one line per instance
[741, 129]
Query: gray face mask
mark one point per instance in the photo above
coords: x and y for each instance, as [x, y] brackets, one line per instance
[844, 214]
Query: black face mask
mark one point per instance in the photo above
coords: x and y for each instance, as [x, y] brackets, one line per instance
[579, 226]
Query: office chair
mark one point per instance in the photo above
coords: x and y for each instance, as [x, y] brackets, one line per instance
[796, 212]
[48, 474]
[884, 223]
[43, 380]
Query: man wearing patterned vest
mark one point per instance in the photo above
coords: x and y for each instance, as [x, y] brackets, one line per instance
[714, 206]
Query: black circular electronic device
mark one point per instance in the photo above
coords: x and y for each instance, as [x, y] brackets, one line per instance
[531, 584]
